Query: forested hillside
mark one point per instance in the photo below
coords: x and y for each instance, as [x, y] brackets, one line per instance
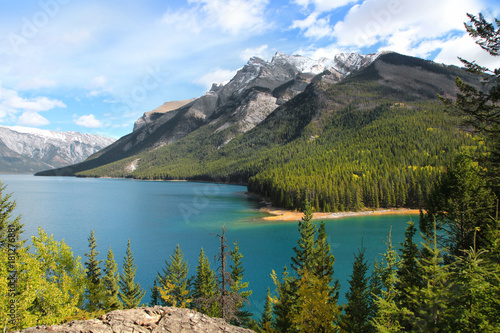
[378, 138]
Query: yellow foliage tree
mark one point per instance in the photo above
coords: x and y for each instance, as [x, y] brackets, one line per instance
[315, 311]
[167, 293]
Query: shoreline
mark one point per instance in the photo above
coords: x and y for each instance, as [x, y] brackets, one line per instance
[278, 214]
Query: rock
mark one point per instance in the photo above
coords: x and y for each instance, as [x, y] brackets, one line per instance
[146, 319]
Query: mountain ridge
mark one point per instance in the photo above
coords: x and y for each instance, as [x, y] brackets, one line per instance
[28, 150]
[237, 139]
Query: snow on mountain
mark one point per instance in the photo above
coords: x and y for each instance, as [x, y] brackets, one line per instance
[53, 149]
[257, 89]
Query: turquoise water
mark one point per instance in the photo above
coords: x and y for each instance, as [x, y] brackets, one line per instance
[156, 216]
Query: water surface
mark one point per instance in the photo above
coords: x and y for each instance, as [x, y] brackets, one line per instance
[156, 216]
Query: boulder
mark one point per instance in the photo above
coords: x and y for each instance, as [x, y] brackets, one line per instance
[145, 319]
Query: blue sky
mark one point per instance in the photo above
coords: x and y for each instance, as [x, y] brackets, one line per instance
[96, 66]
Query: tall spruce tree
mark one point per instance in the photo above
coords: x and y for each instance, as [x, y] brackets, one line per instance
[480, 107]
[110, 284]
[357, 312]
[10, 229]
[460, 202]
[388, 314]
[130, 292]
[432, 301]
[237, 274]
[173, 283]
[267, 318]
[315, 310]
[94, 291]
[205, 288]
[305, 252]
[284, 306]
[477, 287]
[409, 273]
[324, 261]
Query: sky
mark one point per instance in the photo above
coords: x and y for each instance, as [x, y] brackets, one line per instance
[96, 66]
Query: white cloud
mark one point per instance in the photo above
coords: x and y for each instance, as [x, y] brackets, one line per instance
[314, 27]
[324, 5]
[218, 75]
[465, 48]
[36, 83]
[88, 121]
[235, 16]
[31, 118]
[262, 52]
[375, 21]
[11, 104]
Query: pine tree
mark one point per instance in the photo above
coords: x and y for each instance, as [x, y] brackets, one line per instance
[10, 229]
[431, 302]
[480, 108]
[324, 261]
[284, 306]
[305, 253]
[267, 318]
[155, 293]
[358, 309]
[388, 314]
[94, 291]
[409, 274]
[173, 284]
[205, 287]
[237, 274]
[315, 312]
[458, 204]
[110, 284]
[130, 292]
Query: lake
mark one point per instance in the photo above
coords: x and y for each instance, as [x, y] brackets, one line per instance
[156, 216]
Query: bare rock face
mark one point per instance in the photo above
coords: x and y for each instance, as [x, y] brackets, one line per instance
[152, 319]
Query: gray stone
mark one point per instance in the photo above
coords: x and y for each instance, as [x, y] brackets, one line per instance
[145, 319]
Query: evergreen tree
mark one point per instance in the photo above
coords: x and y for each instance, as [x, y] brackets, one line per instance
[459, 203]
[477, 284]
[155, 293]
[110, 284]
[315, 311]
[324, 261]
[431, 302]
[480, 108]
[237, 274]
[10, 229]
[94, 291]
[305, 253]
[267, 318]
[205, 287]
[130, 292]
[409, 273]
[285, 302]
[388, 314]
[173, 284]
[358, 309]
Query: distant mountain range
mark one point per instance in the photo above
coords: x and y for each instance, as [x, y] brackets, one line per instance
[29, 150]
[357, 128]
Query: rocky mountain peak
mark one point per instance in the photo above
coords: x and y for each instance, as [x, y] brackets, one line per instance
[26, 149]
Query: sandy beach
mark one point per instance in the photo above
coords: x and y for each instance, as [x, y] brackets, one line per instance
[287, 215]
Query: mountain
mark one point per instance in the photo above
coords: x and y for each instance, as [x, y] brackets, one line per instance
[346, 133]
[29, 150]
[256, 91]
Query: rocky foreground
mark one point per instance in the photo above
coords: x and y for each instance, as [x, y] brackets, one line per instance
[152, 319]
